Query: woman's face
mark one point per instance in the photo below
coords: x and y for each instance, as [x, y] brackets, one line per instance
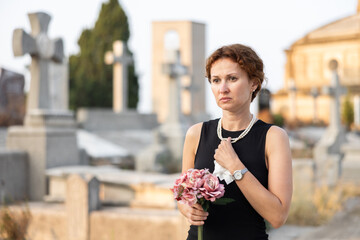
[230, 85]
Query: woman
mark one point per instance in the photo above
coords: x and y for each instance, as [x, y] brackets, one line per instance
[256, 154]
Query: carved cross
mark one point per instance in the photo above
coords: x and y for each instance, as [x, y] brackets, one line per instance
[175, 70]
[121, 61]
[335, 91]
[43, 50]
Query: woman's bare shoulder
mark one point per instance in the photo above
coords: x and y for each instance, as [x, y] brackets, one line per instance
[194, 131]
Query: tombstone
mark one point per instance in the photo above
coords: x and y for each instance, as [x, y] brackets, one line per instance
[165, 154]
[357, 112]
[12, 98]
[314, 93]
[120, 60]
[48, 134]
[82, 197]
[327, 152]
[292, 101]
[174, 128]
[264, 112]
[59, 85]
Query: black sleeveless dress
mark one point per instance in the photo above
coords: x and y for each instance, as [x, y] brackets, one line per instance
[237, 220]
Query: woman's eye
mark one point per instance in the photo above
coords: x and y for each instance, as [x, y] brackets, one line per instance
[215, 80]
[233, 78]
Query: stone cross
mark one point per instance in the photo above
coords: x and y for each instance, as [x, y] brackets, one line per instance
[314, 93]
[121, 60]
[43, 51]
[175, 70]
[334, 91]
[292, 100]
[327, 152]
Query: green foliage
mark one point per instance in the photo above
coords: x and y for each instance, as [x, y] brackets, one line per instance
[91, 80]
[348, 112]
[279, 120]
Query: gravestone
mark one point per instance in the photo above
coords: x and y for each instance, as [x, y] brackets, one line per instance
[82, 197]
[120, 60]
[12, 98]
[49, 134]
[314, 93]
[59, 85]
[264, 112]
[165, 154]
[292, 101]
[327, 152]
[174, 128]
[357, 112]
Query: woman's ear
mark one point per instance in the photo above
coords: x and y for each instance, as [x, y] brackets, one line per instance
[254, 85]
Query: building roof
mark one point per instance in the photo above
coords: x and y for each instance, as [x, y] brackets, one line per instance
[342, 29]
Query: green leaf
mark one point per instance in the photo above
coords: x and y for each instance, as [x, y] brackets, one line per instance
[223, 201]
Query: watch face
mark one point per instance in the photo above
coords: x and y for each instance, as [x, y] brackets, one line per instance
[237, 175]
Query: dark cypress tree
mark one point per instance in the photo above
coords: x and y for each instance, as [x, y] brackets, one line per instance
[90, 78]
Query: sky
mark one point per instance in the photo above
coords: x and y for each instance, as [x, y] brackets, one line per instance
[268, 26]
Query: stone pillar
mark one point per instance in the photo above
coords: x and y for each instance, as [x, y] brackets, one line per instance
[82, 197]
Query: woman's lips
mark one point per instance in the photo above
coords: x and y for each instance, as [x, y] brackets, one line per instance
[225, 99]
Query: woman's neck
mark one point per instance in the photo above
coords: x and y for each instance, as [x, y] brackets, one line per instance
[236, 121]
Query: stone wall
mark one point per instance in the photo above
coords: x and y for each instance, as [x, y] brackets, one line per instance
[50, 222]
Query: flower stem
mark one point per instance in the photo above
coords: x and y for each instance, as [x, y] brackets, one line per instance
[200, 232]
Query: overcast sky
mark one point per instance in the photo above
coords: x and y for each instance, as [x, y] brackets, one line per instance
[269, 26]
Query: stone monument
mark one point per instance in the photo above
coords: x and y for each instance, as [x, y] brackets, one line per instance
[82, 197]
[191, 43]
[165, 154]
[264, 112]
[12, 98]
[120, 60]
[49, 134]
[357, 112]
[327, 152]
[292, 102]
[174, 128]
[315, 93]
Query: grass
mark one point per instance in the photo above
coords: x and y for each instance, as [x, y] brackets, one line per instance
[13, 226]
[318, 206]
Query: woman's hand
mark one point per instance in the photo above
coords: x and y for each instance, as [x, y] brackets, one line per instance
[226, 156]
[195, 214]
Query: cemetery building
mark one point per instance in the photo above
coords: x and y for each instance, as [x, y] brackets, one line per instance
[307, 71]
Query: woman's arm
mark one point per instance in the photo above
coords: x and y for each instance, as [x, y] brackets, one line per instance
[273, 203]
[194, 214]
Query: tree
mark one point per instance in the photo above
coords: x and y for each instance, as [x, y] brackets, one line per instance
[90, 78]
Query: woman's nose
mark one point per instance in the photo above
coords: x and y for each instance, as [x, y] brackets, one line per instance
[224, 87]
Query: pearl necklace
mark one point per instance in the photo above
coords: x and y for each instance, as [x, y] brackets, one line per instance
[243, 134]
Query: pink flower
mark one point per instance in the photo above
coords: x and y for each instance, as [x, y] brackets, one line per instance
[195, 185]
[212, 188]
[188, 197]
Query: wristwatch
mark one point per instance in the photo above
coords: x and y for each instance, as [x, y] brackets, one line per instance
[238, 174]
